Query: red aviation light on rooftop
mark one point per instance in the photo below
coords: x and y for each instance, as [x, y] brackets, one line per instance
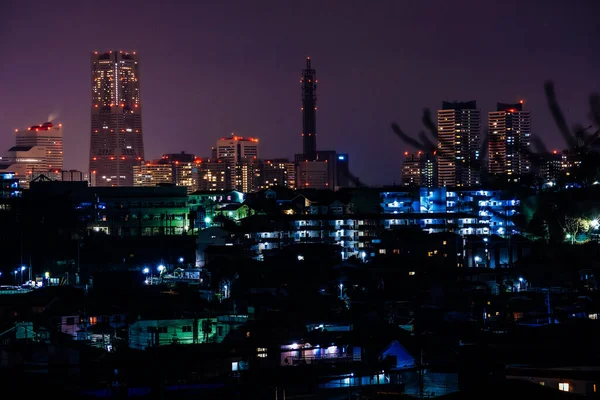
[521, 101]
[554, 152]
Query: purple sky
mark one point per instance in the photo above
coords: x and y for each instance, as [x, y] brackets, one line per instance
[209, 68]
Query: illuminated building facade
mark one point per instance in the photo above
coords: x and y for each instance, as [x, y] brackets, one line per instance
[9, 186]
[247, 175]
[152, 173]
[419, 169]
[214, 175]
[509, 140]
[236, 148]
[116, 131]
[276, 172]
[185, 169]
[459, 136]
[551, 166]
[25, 162]
[240, 154]
[46, 135]
[309, 112]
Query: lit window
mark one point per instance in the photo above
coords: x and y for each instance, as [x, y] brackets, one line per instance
[382, 251]
[563, 386]
[93, 320]
[411, 273]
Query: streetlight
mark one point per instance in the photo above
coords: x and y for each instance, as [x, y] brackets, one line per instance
[22, 269]
[146, 271]
[341, 290]
[477, 260]
[15, 272]
[161, 268]
[181, 260]
[569, 236]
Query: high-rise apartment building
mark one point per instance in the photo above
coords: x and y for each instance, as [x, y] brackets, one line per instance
[551, 166]
[47, 135]
[419, 170]
[459, 137]
[117, 143]
[247, 175]
[309, 112]
[509, 140]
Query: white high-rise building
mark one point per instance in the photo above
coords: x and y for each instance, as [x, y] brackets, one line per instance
[459, 137]
[48, 136]
[236, 148]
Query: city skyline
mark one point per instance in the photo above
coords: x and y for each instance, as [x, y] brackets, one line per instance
[365, 83]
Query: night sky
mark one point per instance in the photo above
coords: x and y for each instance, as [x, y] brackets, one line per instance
[209, 68]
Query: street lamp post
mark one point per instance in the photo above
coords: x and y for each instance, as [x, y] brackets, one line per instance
[341, 291]
[146, 270]
[22, 269]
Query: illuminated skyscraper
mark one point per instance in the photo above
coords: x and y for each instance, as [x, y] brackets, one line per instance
[116, 133]
[47, 135]
[509, 139]
[236, 148]
[309, 112]
[241, 155]
[459, 135]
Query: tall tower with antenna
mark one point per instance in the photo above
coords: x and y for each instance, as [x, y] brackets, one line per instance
[309, 112]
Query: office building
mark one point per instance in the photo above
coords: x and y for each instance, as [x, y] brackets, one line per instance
[185, 169]
[459, 136]
[236, 148]
[152, 173]
[276, 172]
[238, 153]
[46, 135]
[312, 175]
[214, 175]
[25, 162]
[117, 143]
[509, 140]
[419, 170]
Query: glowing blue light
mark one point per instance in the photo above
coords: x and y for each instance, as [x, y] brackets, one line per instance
[341, 157]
